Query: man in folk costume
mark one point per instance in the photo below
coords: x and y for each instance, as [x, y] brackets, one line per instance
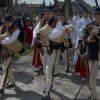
[63, 51]
[11, 33]
[81, 25]
[51, 38]
[48, 48]
[93, 37]
[36, 62]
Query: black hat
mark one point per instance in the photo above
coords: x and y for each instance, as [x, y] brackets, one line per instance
[61, 12]
[9, 19]
[49, 8]
[42, 14]
[97, 11]
[1, 23]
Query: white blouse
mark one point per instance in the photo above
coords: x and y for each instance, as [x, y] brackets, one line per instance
[11, 38]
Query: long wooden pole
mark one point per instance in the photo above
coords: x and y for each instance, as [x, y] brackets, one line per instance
[56, 5]
[70, 11]
[96, 2]
[65, 5]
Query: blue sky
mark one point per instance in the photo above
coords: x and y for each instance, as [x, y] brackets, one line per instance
[48, 1]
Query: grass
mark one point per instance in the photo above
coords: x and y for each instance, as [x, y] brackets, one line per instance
[28, 50]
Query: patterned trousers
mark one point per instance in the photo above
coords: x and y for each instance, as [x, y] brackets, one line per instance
[64, 55]
[48, 65]
[93, 74]
[7, 72]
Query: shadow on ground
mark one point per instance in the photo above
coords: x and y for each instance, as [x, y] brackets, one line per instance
[22, 95]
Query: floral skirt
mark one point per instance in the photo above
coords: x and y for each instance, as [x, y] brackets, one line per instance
[82, 67]
[36, 58]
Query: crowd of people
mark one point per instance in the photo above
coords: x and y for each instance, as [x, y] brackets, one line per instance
[52, 36]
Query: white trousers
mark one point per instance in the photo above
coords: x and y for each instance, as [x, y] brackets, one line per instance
[64, 55]
[57, 62]
[48, 64]
[7, 72]
[93, 76]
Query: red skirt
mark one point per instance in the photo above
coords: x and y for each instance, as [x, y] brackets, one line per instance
[82, 67]
[36, 58]
[29, 36]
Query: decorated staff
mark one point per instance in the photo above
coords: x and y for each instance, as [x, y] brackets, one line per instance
[9, 45]
[69, 30]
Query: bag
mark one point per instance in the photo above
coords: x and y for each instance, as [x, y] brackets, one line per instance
[16, 46]
[45, 31]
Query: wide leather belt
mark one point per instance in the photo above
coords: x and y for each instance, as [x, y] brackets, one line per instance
[47, 50]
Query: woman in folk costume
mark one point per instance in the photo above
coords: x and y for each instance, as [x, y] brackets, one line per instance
[28, 30]
[80, 63]
[19, 22]
[7, 38]
[36, 62]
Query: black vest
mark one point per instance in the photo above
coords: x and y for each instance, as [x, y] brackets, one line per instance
[93, 47]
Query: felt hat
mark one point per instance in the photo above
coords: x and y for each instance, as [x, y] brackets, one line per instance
[9, 19]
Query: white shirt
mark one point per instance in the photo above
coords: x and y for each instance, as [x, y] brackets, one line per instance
[81, 25]
[58, 31]
[76, 19]
[11, 38]
[35, 31]
[79, 28]
[70, 21]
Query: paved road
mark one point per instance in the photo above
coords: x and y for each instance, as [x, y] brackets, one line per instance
[30, 85]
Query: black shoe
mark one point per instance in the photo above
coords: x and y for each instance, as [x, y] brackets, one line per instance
[67, 70]
[91, 98]
[1, 91]
[8, 86]
[44, 90]
[46, 98]
[41, 68]
[55, 75]
[89, 88]
[1, 68]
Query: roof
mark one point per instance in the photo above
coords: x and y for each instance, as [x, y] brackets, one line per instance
[29, 8]
[79, 6]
